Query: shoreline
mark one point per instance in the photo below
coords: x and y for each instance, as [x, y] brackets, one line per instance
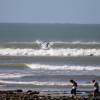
[19, 94]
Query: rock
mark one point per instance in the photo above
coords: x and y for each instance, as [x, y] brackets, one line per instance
[19, 90]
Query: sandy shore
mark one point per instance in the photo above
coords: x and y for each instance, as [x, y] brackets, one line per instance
[36, 95]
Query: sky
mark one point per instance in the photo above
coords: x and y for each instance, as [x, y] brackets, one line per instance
[50, 11]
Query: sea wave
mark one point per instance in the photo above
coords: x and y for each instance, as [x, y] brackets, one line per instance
[13, 75]
[40, 83]
[53, 42]
[38, 44]
[49, 52]
[63, 67]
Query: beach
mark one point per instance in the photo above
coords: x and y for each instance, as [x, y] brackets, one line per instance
[36, 95]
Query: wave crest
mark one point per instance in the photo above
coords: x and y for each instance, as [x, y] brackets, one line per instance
[49, 52]
[46, 83]
[64, 67]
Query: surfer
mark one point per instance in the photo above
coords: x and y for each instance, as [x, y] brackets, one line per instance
[74, 87]
[45, 45]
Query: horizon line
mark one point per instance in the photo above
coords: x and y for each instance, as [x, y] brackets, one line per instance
[46, 23]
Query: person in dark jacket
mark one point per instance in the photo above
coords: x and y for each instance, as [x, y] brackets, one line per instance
[96, 88]
[74, 87]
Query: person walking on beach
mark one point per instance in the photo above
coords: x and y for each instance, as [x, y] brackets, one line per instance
[74, 87]
[96, 88]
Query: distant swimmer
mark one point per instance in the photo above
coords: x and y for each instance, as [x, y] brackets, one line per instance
[91, 55]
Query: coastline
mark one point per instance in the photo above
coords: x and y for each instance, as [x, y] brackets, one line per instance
[36, 95]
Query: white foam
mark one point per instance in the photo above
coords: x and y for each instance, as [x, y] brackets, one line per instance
[14, 42]
[64, 67]
[40, 83]
[66, 42]
[49, 52]
[39, 41]
[53, 42]
[12, 75]
[83, 43]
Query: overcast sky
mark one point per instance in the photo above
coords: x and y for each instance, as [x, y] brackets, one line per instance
[50, 11]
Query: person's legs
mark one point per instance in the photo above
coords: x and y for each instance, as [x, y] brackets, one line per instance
[73, 91]
[95, 93]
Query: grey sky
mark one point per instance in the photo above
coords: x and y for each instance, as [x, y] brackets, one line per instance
[50, 11]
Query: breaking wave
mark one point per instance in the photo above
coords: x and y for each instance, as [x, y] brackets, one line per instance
[38, 44]
[49, 52]
[53, 42]
[39, 83]
[13, 75]
[64, 67]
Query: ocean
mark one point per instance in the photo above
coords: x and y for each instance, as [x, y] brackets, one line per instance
[45, 56]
